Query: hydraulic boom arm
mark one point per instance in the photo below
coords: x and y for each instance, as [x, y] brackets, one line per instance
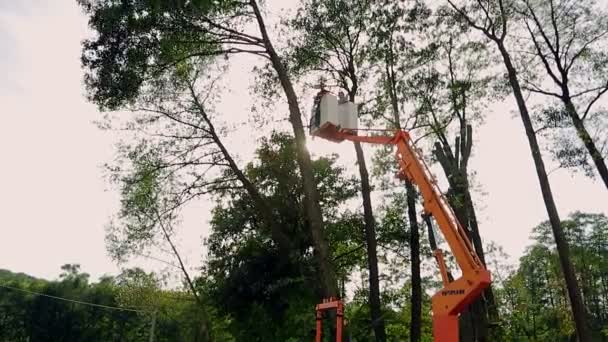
[452, 299]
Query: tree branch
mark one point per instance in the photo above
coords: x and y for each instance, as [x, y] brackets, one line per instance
[444, 160]
[542, 55]
[597, 97]
[583, 49]
[466, 153]
[349, 252]
[239, 34]
[464, 15]
[545, 37]
[174, 118]
[503, 15]
[536, 89]
[555, 30]
[488, 18]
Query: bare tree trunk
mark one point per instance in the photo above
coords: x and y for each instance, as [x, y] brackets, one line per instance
[578, 308]
[416, 299]
[328, 282]
[372, 257]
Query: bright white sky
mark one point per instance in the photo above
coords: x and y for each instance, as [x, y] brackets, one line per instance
[54, 202]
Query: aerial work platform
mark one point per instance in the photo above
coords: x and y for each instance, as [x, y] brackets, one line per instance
[336, 120]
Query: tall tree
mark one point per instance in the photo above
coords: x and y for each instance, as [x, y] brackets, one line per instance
[172, 115]
[568, 41]
[492, 20]
[140, 42]
[315, 216]
[431, 93]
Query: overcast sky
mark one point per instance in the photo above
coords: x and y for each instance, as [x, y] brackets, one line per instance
[54, 202]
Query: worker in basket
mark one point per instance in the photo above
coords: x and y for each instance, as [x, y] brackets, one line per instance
[315, 115]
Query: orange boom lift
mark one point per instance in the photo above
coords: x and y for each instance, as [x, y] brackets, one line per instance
[453, 298]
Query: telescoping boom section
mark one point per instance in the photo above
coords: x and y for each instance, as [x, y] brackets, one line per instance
[453, 298]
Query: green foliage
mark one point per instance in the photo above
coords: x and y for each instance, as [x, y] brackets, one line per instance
[535, 306]
[268, 298]
[145, 201]
[28, 316]
[139, 41]
[453, 83]
[323, 43]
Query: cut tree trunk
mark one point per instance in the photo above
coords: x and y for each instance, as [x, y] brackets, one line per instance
[416, 299]
[576, 302]
[474, 320]
[474, 325]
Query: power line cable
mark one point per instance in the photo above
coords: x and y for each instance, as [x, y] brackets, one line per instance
[74, 300]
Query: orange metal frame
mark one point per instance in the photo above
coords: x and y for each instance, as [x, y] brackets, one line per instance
[453, 298]
[330, 304]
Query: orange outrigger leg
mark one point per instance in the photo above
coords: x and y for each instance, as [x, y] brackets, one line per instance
[453, 298]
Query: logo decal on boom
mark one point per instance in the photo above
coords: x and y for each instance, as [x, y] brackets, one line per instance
[452, 292]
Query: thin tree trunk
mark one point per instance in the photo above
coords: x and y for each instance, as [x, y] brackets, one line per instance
[328, 282]
[205, 324]
[578, 308]
[416, 299]
[584, 135]
[372, 257]
[370, 233]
